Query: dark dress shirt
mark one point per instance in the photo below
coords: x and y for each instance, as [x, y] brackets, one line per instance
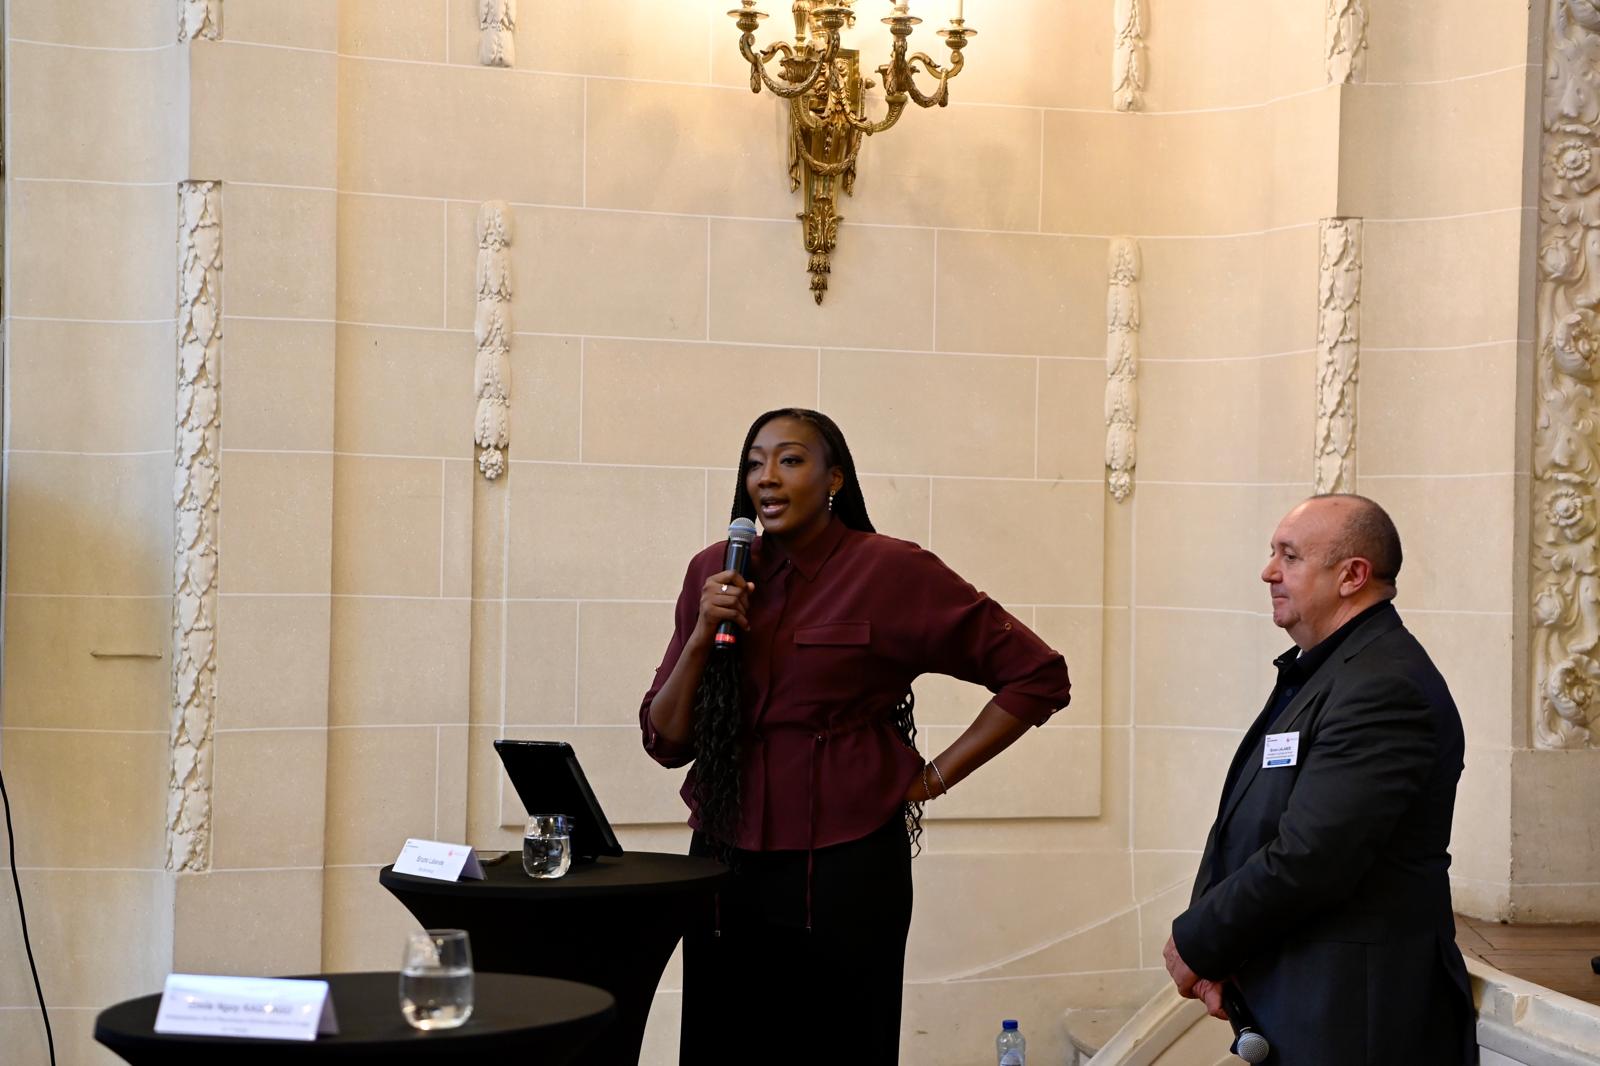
[1295, 668]
[838, 632]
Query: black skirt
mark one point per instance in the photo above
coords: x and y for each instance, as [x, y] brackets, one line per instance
[802, 959]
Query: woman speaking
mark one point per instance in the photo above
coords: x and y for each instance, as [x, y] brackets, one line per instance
[806, 780]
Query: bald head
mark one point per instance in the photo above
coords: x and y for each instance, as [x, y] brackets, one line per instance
[1363, 530]
[1332, 557]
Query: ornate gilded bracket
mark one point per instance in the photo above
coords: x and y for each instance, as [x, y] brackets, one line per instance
[827, 104]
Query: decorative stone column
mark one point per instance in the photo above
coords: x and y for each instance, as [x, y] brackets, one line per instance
[199, 19]
[1565, 584]
[1338, 355]
[1128, 60]
[492, 330]
[497, 26]
[196, 489]
[1346, 41]
[1122, 366]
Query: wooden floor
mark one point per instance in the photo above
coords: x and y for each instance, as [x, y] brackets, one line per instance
[1556, 956]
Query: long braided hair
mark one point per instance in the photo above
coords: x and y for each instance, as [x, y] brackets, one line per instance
[718, 723]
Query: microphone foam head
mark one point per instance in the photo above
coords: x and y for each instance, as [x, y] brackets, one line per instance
[742, 531]
[1252, 1047]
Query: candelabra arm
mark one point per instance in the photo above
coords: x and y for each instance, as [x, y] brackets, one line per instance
[784, 88]
[933, 69]
[897, 107]
[940, 96]
[899, 75]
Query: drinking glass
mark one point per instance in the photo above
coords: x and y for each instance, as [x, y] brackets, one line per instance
[436, 979]
[547, 845]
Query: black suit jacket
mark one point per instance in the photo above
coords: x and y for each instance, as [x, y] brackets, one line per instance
[1323, 889]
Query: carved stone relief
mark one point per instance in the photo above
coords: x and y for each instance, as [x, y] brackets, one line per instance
[195, 495]
[1566, 451]
[1338, 355]
[1347, 41]
[492, 330]
[497, 25]
[1122, 366]
[199, 19]
[1128, 57]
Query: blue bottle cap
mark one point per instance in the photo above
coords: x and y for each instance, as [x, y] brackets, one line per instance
[1009, 1023]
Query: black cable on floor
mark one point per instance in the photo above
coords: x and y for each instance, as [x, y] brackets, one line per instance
[11, 844]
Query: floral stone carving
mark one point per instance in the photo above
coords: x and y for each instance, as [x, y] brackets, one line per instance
[1338, 355]
[1566, 451]
[1128, 59]
[1122, 366]
[1346, 41]
[491, 428]
[497, 26]
[199, 20]
[196, 488]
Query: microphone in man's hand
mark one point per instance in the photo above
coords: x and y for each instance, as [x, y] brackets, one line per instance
[1248, 1042]
[741, 534]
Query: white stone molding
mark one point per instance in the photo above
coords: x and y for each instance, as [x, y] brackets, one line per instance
[1122, 365]
[196, 488]
[1347, 41]
[1526, 1024]
[199, 20]
[1128, 57]
[491, 378]
[1519, 1024]
[497, 28]
[1565, 583]
[1338, 355]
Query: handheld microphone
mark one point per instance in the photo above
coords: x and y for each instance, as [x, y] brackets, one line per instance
[741, 534]
[1248, 1042]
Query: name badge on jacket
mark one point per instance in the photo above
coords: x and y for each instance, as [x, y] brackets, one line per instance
[1282, 749]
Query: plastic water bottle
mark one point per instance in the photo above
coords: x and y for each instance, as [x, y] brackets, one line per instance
[1011, 1048]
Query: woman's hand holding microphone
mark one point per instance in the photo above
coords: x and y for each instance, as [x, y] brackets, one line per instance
[725, 597]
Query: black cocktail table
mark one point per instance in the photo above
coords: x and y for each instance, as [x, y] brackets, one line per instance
[611, 923]
[534, 1020]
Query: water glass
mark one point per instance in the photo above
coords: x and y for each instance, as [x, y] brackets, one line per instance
[547, 845]
[436, 979]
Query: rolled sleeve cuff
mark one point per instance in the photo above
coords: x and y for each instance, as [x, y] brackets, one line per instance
[660, 748]
[1035, 710]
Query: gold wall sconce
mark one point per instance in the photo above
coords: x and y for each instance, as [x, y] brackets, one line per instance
[826, 95]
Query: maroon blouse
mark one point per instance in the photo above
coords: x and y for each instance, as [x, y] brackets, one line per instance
[838, 632]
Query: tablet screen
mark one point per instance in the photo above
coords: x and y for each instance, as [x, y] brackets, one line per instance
[549, 780]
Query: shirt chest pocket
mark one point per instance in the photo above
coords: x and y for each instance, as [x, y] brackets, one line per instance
[831, 661]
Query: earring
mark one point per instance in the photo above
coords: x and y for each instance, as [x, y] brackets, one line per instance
[830, 501]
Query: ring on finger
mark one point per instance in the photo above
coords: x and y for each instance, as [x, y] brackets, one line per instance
[724, 588]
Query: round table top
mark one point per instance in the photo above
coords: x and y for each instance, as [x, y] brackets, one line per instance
[631, 873]
[367, 1007]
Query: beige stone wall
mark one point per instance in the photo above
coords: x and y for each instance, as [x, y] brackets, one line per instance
[385, 611]
[660, 301]
[1447, 322]
[90, 366]
[105, 114]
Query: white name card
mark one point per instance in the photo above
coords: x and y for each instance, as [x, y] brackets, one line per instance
[438, 860]
[261, 1007]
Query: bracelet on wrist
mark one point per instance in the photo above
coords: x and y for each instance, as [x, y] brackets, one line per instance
[943, 788]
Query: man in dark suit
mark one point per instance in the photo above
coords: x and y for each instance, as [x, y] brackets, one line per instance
[1322, 895]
